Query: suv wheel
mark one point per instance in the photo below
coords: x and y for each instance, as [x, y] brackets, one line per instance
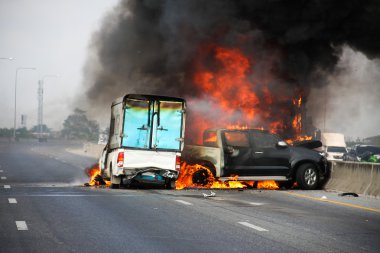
[204, 176]
[307, 176]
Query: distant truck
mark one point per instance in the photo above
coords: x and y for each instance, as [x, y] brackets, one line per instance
[145, 140]
[334, 146]
[257, 155]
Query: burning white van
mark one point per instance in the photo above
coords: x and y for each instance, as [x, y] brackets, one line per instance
[145, 140]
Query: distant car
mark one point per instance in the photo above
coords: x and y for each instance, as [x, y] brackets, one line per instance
[335, 153]
[361, 153]
[334, 146]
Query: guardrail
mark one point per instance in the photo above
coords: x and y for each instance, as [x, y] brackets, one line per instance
[361, 178]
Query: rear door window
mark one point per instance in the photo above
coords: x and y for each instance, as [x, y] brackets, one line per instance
[136, 128]
[167, 128]
[262, 140]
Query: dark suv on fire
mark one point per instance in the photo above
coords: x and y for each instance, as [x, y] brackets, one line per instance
[257, 155]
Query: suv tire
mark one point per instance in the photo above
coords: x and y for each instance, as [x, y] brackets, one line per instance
[307, 176]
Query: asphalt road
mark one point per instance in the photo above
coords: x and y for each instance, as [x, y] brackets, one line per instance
[45, 208]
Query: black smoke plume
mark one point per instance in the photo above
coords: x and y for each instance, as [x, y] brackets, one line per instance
[149, 46]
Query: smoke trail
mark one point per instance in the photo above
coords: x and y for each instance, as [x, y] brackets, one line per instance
[149, 46]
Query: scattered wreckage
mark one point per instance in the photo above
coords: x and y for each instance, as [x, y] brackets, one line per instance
[363, 153]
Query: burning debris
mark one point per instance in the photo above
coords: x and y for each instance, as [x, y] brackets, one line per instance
[200, 176]
[96, 179]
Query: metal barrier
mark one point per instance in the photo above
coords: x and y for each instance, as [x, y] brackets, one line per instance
[361, 178]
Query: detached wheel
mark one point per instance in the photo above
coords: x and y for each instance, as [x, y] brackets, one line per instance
[308, 176]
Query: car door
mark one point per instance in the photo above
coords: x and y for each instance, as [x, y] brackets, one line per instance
[237, 153]
[268, 158]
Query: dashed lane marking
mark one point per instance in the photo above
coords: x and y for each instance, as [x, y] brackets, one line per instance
[1, 171]
[247, 224]
[3, 178]
[7, 186]
[256, 204]
[21, 225]
[12, 201]
[183, 202]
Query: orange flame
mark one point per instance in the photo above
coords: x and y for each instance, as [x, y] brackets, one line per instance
[233, 95]
[95, 176]
[185, 180]
[267, 185]
[300, 138]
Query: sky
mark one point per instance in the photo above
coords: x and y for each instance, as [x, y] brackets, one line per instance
[52, 36]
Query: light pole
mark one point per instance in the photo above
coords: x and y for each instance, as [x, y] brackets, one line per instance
[40, 104]
[14, 123]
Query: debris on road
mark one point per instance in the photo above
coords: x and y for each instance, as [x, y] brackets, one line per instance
[353, 194]
[212, 194]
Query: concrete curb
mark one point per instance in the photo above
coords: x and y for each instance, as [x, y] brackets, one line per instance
[361, 178]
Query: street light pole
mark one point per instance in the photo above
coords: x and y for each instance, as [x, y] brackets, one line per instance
[40, 105]
[14, 123]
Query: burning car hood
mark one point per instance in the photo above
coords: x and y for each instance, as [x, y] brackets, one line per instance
[309, 144]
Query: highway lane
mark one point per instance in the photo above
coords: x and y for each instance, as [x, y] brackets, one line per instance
[61, 215]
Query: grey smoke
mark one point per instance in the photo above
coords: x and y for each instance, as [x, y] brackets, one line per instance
[147, 46]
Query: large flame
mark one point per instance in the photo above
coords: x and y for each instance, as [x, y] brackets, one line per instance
[235, 94]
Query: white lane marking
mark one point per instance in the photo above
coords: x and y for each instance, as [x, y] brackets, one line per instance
[21, 225]
[256, 204]
[3, 178]
[183, 202]
[1, 171]
[252, 226]
[7, 186]
[12, 201]
[80, 195]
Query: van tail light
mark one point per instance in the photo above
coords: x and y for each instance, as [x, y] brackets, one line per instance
[177, 162]
[120, 159]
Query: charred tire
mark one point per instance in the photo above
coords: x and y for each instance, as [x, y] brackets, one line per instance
[308, 176]
[204, 176]
[201, 177]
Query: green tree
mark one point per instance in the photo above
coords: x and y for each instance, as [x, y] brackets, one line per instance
[77, 126]
[36, 129]
[5, 132]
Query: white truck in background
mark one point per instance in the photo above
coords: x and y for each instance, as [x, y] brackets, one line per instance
[334, 146]
[145, 140]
